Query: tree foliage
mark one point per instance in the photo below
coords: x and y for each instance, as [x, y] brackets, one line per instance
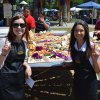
[51, 4]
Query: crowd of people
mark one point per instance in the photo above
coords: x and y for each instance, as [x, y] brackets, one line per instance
[14, 69]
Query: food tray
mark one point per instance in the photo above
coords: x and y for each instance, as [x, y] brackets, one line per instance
[49, 64]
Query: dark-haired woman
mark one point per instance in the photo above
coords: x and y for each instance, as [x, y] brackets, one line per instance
[85, 63]
[12, 59]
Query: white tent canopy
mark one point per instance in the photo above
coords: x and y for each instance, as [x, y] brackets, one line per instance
[75, 9]
[24, 3]
[46, 9]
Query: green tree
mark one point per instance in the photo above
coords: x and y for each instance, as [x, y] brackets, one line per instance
[51, 4]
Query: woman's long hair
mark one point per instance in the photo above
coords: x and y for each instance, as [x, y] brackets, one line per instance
[86, 38]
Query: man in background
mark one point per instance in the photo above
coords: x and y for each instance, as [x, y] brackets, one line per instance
[29, 19]
[42, 24]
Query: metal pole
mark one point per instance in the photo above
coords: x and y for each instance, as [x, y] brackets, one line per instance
[92, 15]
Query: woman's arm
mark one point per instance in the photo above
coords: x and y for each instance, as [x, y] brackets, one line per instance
[2, 58]
[5, 50]
[96, 63]
[28, 70]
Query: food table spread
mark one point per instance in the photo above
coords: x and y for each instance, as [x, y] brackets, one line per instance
[51, 48]
[48, 47]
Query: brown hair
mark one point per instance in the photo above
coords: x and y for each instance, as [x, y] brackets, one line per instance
[11, 36]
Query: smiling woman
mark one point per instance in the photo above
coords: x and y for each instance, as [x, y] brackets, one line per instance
[12, 59]
[85, 80]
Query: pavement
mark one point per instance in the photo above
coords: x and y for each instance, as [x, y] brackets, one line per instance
[68, 25]
[4, 30]
[57, 25]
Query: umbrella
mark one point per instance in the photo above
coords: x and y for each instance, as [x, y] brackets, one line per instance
[90, 5]
[75, 9]
[23, 3]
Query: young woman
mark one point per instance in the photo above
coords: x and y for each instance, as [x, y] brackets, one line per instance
[85, 63]
[12, 59]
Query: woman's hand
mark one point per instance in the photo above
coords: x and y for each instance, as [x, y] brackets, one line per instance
[6, 48]
[28, 72]
[94, 54]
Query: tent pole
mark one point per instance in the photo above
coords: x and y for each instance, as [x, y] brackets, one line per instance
[92, 15]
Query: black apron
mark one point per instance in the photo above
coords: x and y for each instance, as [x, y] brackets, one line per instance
[12, 75]
[85, 81]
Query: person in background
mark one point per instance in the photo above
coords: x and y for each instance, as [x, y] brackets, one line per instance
[29, 19]
[1, 21]
[13, 67]
[42, 24]
[85, 63]
[97, 30]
